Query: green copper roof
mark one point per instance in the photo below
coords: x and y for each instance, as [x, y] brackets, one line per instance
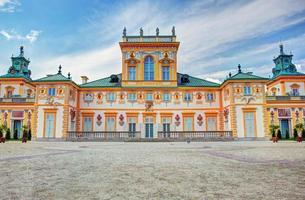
[15, 75]
[54, 77]
[246, 76]
[195, 82]
[104, 82]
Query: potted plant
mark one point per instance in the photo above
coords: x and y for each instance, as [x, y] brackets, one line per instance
[2, 139]
[300, 128]
[295, 134]
[24, 134]
[273, 129]
[29, 135]
[8, 134]
[279, 134]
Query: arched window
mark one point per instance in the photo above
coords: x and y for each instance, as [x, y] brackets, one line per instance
[149, 68]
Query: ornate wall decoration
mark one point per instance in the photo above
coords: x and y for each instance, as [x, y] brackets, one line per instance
[122, 98]
[99, 120]
[5, 118]
[284, 112]
[121, 120]
[226, 114]
[149, 106]
[72, 115]
[29, 120]
[140, 97]
[200, 120]
[176, 98]
[177, 120]
[99, 98]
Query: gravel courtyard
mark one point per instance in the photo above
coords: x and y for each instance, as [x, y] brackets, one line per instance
[206, 170]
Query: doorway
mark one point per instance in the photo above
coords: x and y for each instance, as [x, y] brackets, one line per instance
[17, 127]
[284, 127]
[149, 127]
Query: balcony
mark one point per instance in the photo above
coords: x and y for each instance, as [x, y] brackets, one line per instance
[136, 136]
[285, 98]
[17, 100]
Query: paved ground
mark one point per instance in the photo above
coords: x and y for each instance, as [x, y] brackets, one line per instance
[211, 170]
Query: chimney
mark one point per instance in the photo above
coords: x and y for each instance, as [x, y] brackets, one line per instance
[84, 79]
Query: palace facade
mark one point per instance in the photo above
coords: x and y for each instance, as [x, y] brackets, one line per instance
[151, 99]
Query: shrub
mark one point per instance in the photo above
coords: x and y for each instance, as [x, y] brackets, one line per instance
[24, 133]
[15, 134]
[29, 135]
[279, 134]
[1, 132]
[295, 133]
[303, 133]
[273, 133]
[8, 134]
[287, 134]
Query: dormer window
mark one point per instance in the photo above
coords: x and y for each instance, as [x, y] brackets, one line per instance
[210, 96]
[247, 90]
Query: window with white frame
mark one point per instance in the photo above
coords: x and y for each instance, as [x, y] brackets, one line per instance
[132, 96]
[149, 96]
[295, 92]
[247, 90]
[166, 97]
[132, 73]
[51, 91]
[188, 123]
[210, 96]
[165, 73]
[111, 96]
[187, 97]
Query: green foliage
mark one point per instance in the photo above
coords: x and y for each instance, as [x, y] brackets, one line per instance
[299, 127]
[15, 134]
[295, 133]
[1, 132]
[8, 134]
[279, 134]
[303, 133]
[29, 135]
[273, 129]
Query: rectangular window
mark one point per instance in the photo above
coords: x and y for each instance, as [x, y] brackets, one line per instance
[188, 123]
[247, 90]
[111, 96]
[249, 124]
[166, 122]
[211, 123]
[110, 124]
[132, 96]
[132, 73]
[295, 92]
[88, 123]
[51, 91]
[132, 127]
[187, 97]
[49, 130]
[149, 96]
[210, 96]
[166, 97]
[165, 73]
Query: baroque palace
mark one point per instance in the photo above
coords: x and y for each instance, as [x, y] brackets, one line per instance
[150, 99]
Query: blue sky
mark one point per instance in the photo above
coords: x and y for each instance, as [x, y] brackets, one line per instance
[215, 35]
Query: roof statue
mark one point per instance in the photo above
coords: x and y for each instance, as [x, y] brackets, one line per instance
[239, 68]
[59, 69]
[21, 51]
[124, 32]
[173, 31]
[141, 32]
[157, 31]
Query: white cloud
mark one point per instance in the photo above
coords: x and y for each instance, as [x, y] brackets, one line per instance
[205, 30]
[13, 35]
[9, 6]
